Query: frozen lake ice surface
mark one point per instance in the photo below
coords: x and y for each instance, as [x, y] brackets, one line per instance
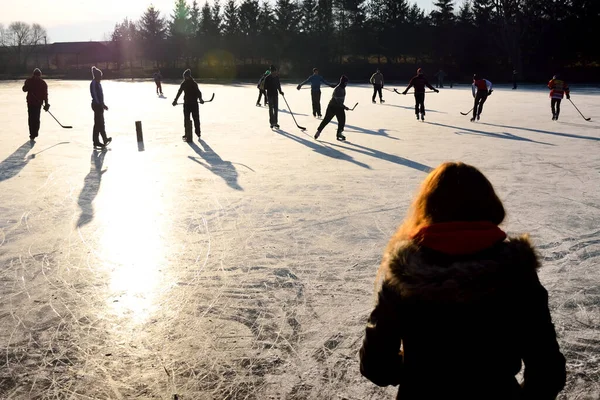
[242, 266]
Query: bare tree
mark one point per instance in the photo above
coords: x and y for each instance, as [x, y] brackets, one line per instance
[24, 39]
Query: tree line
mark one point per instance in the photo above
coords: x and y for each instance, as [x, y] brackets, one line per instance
[533, 37]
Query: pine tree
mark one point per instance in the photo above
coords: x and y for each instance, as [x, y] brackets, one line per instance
[152, 26]
[231, 25]
[180, 24]
[248, 17]
[266, 20]
[195, 17]
[217, 18]
[308, 19]
[443, 13]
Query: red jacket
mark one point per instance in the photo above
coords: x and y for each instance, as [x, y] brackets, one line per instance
[37, 91]
[558, 88]
[419, 82]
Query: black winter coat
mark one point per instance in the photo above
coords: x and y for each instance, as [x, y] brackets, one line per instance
[458, 327]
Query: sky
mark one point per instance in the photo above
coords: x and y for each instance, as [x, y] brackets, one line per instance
[78, 20]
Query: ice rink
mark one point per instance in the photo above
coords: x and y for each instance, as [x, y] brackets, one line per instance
[242, 266]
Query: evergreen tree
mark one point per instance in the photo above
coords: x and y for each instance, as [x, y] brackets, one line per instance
[266, 19]
[180, 24]
[153, 30]
[308, 17]
[216, 18]
[249, 17]
[443, 13]
[206, 25]
[195, 17]
[231, 25]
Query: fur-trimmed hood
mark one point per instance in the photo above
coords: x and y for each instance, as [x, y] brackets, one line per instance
[419, 273]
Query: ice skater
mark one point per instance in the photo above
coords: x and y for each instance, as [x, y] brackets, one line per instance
[448, 275]
[261, 88]
[99, 107]
[558, 89]
[440, 75]
[191, 97]
[37, 94]
[377, 82]
[419, 82]
[482, 88]
[158, 81]
[336, 108]
[514, 79]
[273, 88]
[315, 90]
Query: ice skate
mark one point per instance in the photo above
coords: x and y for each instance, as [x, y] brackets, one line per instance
[317, 134]
[340, 137]
[108, 140]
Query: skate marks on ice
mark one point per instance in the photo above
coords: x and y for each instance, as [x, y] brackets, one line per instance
[318, 147]
[383, 156]
[91, 187]
[222, 168]
[567, 135]
[497, 135]
[574, 286]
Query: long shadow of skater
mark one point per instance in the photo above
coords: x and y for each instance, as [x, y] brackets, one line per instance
[504, 135]
[323, 149]
[225, 169]
[14, 163]
[91, 186]
[378, 132]
[547, 132]
[413, 108]
[283, 110]
[385, 156]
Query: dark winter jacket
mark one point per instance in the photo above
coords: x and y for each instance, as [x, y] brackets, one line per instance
[458, 326]
[272, 85]
[191, 92]
[419, 82]
[315, 82]
[339, 96]
[37, 91]
[97, 93]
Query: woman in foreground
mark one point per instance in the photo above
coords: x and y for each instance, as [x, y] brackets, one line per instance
[460, 305]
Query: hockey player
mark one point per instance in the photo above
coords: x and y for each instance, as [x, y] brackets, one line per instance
[558, 89]
[377, 82]
[158, 80]
[99, 107]
[37, 94]
[191, 97]
[482, 88]
[315, 81]
[336, 108]
[419, 82]
[440, 75]
[261, 88]
[273, 87]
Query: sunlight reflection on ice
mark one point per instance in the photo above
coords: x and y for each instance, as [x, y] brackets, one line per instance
[131, 241]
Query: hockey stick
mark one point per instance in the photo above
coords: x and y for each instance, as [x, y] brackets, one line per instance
[587, 119]
[206, 101]
[61, 125]
[288, 106]
[431, 91]
[468, 112]
[352, 109]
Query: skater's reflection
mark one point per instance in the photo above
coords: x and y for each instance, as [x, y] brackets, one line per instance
[14, 163]
[218, 166]
[91, 186]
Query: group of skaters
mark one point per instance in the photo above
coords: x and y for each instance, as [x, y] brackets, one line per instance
[269, 87]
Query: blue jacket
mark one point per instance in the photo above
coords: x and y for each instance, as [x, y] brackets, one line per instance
[315, 83]
[97, 93]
